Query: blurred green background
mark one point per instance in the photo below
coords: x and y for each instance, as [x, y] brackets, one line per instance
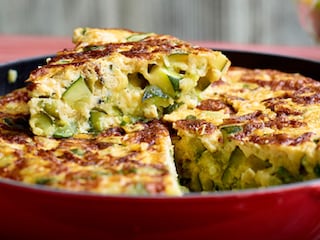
[237, 21]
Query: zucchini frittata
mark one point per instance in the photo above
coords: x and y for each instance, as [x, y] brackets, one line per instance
[253, 128]
[132, 113]
[116, 77]
[135, 161]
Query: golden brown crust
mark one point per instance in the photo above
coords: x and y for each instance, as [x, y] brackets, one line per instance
[199, 127]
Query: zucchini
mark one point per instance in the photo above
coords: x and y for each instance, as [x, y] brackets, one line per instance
[232, 173]
[232, 129]
[94, 48]
[43, 180]
[284, 175]
[172, 107]
[138, 37]
[178, 57]
[51, 108]
[174, 80]
[191, 117]
[221, 63]
[65, 131]
[96, 120]
[154, 95]
[203, 83]
[77, 94]
[168, 81]
[44, 123]
[49, 126]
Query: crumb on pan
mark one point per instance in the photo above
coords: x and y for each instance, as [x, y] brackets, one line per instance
[12, 76]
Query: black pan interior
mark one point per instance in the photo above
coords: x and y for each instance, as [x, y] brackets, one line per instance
[238, 58]
[309, 68]
[23, 67]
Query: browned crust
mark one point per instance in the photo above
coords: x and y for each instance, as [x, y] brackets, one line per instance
[279, 80]
[147, 48]
[293, 94]
[213, 105]
[152, 132]
[196, 126]
[57, 158]
[19, 95]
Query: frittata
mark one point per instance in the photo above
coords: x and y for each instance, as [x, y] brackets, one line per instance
[115, 77]
[133, 161]
[253, 128]
[144, 114]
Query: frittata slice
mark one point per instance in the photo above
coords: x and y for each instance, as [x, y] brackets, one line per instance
[254, 128]
[133, 160]
[113, 162]
[116, 77]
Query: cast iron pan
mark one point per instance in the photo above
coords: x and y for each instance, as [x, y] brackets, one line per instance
[284, 212]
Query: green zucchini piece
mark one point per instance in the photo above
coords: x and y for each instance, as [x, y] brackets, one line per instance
[94, 48]
[138, 37]
[172, 107]
[221, 63]
[232, 129]
[63, 61]
[203, 83]
[178, 57]
[43, 124]
[284, 175]
[232, 174]
[43, 180]
[165, 79]
[191, 117]
[77, 94]
[65, 131]
[154, 95]
[175, 82]
[51, 109]
[42, 121]
[126, 119]
[96, 120]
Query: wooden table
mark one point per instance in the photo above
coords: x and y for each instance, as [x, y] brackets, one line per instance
[13, 47]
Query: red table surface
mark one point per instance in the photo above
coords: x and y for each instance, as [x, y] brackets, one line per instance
[15, 47]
